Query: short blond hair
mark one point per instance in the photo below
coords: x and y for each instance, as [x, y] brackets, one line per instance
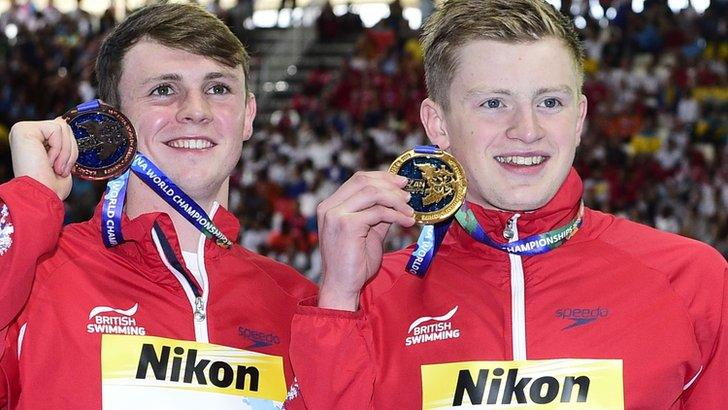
[458, 22]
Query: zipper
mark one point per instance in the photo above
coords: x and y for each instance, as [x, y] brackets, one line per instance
[201, 330]
[518, 291]
[200, 309]
[194, 294]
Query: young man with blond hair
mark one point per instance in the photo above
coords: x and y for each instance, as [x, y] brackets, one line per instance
[532, 300]
[166, 318]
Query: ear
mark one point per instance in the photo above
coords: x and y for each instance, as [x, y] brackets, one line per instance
[582, 116]
[250, 110]
[433, 118]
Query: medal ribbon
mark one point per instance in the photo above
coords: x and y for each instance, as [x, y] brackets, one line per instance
[532, 245]
[151, 175]
[111, 210]
[431, 236]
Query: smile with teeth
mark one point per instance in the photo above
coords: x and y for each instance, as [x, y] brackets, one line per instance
[190, 143]
[521, 160]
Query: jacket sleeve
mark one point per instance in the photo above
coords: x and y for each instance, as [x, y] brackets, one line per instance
[708, 389]
[9, 373]
[31, 217]
[332, 358]
[4, 379]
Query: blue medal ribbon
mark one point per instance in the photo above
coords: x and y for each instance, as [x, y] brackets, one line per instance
[89, 105]
[430, 237]
[151, 175]
[111, 210]
[427, 245]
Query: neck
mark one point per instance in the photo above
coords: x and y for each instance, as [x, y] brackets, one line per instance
[141, 200]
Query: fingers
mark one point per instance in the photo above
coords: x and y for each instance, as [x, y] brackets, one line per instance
[371, 195]
[43, 150]
[74, 153]
[365, 181]
[66, 145]
[69, 152]
[379, 213]
[52, 137]
[371, 201]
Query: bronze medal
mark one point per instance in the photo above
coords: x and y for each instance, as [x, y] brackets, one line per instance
[106, 140]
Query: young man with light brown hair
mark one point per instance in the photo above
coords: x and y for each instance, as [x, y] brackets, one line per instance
[167, 318]
[532, 300]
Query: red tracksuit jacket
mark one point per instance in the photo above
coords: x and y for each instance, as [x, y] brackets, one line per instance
[130, 327]
[620, 316]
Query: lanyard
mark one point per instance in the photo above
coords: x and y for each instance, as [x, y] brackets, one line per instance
[432, 235]
[151, 175]
[532, 245]
[427, 245]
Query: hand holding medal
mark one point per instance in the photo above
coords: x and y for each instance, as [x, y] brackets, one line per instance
[437, 184]
[44, 151]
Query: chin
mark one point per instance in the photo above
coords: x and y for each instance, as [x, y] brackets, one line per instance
[193, 184]
[514, 202]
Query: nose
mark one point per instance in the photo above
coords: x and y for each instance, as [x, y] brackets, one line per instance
[525, 126]
[194, 108]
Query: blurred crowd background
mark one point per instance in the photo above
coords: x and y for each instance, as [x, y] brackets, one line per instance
[654, 149]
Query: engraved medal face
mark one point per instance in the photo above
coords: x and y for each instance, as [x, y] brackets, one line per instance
[106, 142]
[437, 184]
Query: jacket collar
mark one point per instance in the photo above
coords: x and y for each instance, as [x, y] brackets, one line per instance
[559, 211]
[138, 238]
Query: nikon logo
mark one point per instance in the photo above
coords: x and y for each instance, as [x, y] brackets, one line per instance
[218, 373]
[523, 390]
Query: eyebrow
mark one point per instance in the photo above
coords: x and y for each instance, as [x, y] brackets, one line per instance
[176, 77]
[476, 92]
[163, 77]
[218, 74]
[558, 89]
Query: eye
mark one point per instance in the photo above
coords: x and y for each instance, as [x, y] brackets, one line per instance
[163, 90]
[551, 103]
[493, 103]
[219, 89]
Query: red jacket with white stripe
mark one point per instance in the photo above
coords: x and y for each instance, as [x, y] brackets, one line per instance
[620, 316]
[130, 327]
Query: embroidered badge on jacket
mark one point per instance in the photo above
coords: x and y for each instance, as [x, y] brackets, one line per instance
[6, 229]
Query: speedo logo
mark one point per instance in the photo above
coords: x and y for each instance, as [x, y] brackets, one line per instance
[581, 316]
[181, 365]
[121, 322]
[428, 329]
[518, 390]
[259, 339]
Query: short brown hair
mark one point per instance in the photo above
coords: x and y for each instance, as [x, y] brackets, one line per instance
[458, 22]
[187, 27]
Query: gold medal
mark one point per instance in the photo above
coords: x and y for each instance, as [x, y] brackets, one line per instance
[436, 181]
